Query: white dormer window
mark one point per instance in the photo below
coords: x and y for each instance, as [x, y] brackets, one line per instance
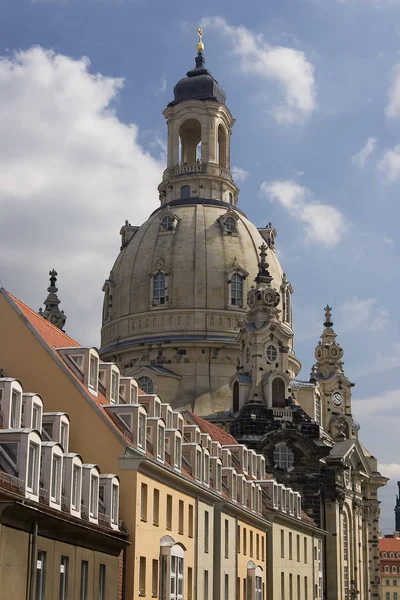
[109, 378]
[152, 405]
[93, 372]
[128, 390]
[94, 496]
[36, 417]
[51, 473]
[142, 431]
[160, 442]
[64, 435]
[55, 493]
[90, 492]
[178, 453]
[11, 403]
[198, 465]
[216, 473]
[166, 413]
[32, 480]
[115, 504]
[206, 471]
[15, 417]
[178, 421]
[114, 387]
[76, 486]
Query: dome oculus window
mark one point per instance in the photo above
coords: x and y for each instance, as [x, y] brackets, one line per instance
[230, 224]
[271, 353]
[146, 384]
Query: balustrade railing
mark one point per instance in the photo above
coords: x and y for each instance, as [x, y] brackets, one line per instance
[184, 168]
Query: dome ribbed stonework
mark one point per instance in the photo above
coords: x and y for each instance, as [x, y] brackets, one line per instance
[198, 257]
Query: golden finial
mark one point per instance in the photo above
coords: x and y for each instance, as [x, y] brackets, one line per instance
[200, 45]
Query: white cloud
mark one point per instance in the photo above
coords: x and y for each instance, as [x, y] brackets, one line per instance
[70, 174]
[382, 362]
[363, 312]
[323, 223]
[393, 102]
[360, 159]
[390, 164]
[384, 404]
[288, 66]
[239, 174]
[391, 470]
[162, 87]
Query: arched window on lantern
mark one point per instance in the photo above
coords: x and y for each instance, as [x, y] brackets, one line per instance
[190, 140]
[222, 147]
[278, 393]
[235, 394]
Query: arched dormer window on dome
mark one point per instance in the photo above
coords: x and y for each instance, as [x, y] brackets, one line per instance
[159, 285]
[168, 221]
[229, 223]
[146, 384]
[236, 277]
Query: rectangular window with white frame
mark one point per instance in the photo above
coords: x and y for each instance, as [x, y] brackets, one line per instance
[94, 496]
[114, 503]
[33, 468]
[56, 478]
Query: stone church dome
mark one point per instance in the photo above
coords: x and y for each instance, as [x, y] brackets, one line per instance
[176, 295]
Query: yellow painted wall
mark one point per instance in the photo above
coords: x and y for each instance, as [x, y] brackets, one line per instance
[247, 551]
[148, 534]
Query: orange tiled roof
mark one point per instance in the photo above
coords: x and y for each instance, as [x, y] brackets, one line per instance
[217, 434]
[55, 338]
[389, 544]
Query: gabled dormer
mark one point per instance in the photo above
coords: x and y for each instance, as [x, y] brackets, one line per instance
[55, 428]
[132, 420]
[192, 434]
[72, 485]
[10, 403]
[152, 404]
[167, 414]
[84, 362]
[128, 390]
[156, 437]
[178, 422]
[230, 483]
[51, 473]
[173, 447]
[226, 457]
[229, 222]
[168, 221]
[109, 377]
[32, 411]
[216, 473]
[20, 454]
[193, 456]
[90, 492]
[240, 456]
[109, 500]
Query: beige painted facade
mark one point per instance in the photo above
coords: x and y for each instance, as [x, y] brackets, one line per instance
[251, 555]
[296, 554]
[14, 567]
[205, 549]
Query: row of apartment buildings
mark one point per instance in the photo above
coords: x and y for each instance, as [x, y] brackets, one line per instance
[183, 511]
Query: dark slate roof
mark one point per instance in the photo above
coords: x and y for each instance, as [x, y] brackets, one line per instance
[198, 84]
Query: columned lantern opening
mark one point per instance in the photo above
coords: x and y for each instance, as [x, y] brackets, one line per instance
[222, 147]
[190, 141]
[278, 393]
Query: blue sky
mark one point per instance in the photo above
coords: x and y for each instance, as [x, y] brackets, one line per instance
[315, 88]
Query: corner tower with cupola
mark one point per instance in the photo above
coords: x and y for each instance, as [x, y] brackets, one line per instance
[176, 295]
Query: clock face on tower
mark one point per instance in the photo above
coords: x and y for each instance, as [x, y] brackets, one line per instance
[54, 319]
[337, 398]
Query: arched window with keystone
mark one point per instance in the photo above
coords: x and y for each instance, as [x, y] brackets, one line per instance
[168, 221]
[160, 279]
[229, 223]
[236, 277]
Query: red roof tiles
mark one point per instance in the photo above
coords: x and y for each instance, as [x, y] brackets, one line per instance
[217, 434]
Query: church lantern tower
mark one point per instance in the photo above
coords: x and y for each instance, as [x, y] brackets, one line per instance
[199, 133]
[176, 295]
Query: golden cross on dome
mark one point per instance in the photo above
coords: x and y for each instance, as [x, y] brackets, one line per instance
[200, 45]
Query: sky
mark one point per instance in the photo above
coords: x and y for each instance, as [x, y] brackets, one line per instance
[314, 86]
